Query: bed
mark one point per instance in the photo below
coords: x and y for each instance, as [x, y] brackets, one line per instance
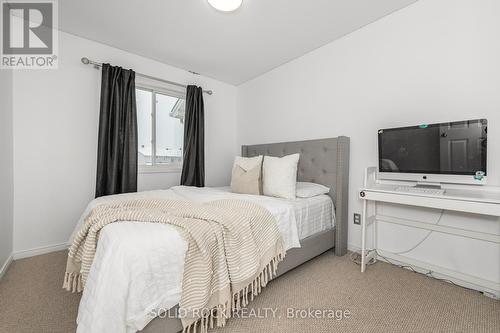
[319, 224]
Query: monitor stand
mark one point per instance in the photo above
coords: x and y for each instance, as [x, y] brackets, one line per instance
[435, 186]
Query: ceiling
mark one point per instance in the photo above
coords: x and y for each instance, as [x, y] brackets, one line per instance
[231, 47]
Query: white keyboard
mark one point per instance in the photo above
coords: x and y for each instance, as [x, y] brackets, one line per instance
[420, 190]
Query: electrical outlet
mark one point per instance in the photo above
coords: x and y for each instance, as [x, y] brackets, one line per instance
[357, 218]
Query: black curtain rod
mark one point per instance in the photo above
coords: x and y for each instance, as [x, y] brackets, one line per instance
[98, 65]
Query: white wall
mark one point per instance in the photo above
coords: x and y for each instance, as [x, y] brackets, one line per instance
[6, 167]
[434, 61]
[55, 138]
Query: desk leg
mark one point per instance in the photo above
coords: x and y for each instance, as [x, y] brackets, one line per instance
[363, 236]
[374, 230]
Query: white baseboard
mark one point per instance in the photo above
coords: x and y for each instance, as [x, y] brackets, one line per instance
[6, 265]
[495, 294]
[353, 248]
[39, 250]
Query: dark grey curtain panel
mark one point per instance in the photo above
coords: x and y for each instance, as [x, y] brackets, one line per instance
[193, 168]
[117, 145]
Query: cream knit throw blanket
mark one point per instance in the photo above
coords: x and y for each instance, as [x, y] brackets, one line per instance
[234, 248]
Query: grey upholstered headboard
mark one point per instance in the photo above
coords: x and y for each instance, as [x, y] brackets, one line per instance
[324, 161]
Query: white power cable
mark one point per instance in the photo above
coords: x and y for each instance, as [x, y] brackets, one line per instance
[423, 239]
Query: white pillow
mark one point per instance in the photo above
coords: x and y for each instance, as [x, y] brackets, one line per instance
[279, 176]
[309, 190]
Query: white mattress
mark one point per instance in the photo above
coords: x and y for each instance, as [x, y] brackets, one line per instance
[313, 215]
[138, 267]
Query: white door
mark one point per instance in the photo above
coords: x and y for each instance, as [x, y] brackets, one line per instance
[460, 143]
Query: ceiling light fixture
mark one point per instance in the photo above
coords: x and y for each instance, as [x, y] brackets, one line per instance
[225, 5]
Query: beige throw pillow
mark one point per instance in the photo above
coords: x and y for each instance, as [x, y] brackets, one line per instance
[246, 177]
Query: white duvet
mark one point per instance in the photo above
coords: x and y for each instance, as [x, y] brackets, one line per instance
[129, 280]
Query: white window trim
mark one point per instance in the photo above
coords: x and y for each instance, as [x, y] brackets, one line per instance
[158, 168]
[162, 90]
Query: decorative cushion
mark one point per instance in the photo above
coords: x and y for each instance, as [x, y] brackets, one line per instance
[280, 176]
[247, 175]
[309, 190]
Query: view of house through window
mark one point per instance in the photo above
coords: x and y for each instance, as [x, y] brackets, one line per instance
[160, 120]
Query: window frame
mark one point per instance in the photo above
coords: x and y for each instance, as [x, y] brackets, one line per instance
[158, 168]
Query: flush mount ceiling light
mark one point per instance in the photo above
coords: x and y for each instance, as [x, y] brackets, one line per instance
[225, 5]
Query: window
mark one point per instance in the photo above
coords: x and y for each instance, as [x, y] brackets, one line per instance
[160, 122]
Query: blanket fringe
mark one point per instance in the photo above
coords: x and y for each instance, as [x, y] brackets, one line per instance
[73, 282]
[215, 318]
[218, 316]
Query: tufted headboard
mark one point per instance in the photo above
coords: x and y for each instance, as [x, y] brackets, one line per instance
[323, 161]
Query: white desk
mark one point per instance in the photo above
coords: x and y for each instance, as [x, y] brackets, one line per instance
[471, 199]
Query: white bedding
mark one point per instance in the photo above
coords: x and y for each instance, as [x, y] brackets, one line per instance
[130, 279]
[313, 214]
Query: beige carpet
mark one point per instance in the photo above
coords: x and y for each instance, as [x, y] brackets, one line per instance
[384, 299]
